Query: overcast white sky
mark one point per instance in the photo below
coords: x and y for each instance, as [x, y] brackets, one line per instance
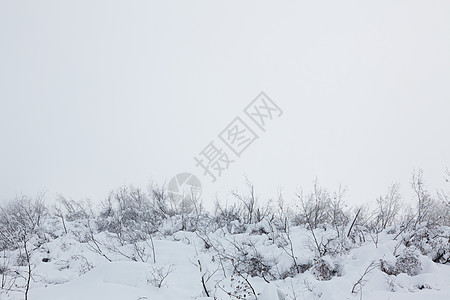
[97, 94]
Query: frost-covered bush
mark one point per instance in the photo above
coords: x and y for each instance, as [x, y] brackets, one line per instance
[236, 227]
[225, 216]
[321, 207]
[440, 249]
[432, 241]
[229, 219]
[22, 233]
[127, 209]
[248, 207]
[388, 207]
[408, 263]
[295, 269]
[314, 207]
[260, 229]
[336, 246]
[248, 260]
[132, 219]
[21, 222]
[324, 268]
[74, 211]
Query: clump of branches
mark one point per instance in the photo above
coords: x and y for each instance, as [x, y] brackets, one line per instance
[320, 207]
[250, 209]
[21, 230]
[386, 212]
[158, 275]
[128, 214]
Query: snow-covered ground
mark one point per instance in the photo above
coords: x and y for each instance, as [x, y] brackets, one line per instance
[72, 270]
[140, 246]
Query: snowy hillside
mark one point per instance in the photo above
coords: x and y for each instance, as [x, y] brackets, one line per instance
[145, 246]
[74, 272]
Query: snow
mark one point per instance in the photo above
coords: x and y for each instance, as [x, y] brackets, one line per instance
[74, 271]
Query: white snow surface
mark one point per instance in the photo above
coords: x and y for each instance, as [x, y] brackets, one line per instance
[74, 271]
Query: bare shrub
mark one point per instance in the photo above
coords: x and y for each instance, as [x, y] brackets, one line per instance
[129, 214]
[314, 207]
[425, 212]
[8, 274]
[338, 216]
[20, 221]
[388, 207]
[158, 275]
[74, 210]
[445, 197]
[359, 284]
[251, 211]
